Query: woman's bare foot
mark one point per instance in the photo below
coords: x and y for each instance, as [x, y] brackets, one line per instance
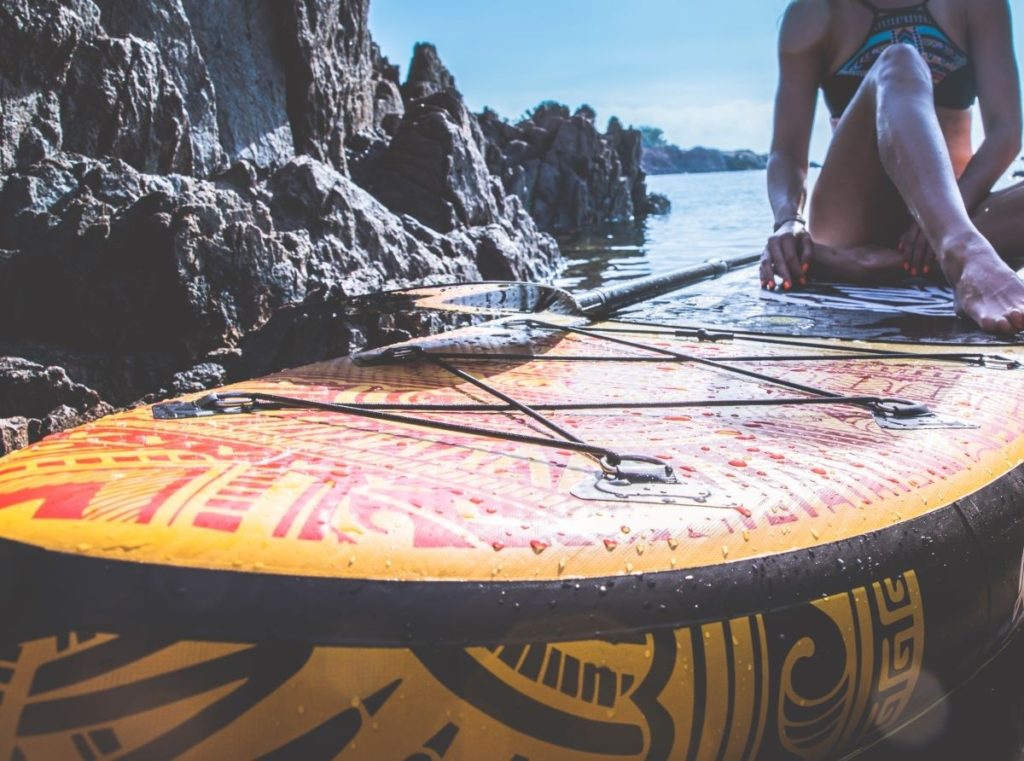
[986, 289]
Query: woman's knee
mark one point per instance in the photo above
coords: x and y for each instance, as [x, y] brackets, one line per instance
[903, 66]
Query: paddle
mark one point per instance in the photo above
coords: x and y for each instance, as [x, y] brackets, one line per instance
[517, 297]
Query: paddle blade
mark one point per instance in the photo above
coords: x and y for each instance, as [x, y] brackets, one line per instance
[494, 299]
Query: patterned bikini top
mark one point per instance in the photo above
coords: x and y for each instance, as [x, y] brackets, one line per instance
[952, 69]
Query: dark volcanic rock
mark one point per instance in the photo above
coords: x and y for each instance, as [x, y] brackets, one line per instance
[37, 42]
[36, 401]
[427, 75]
[435, 170]
[658, 204]
[190, 86]
[566, 173]
[143, 264]
[671, 159]
[340, 87]
[249, 80]
[179, 203]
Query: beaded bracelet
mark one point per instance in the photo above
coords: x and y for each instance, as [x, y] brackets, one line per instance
[787, 220]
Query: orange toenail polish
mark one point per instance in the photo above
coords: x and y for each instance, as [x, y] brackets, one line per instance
[806, 267]
[925, 269]
[803, 281]
[787, 285]
[906, 266]
[913, 271]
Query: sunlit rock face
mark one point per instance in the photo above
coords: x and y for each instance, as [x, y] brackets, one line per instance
[564, 170]
[178, 192]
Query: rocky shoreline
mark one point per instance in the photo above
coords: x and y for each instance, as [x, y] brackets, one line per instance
[671, 159]
[189, 190]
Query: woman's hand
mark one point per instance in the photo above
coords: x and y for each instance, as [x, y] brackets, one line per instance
[788, 254]
[918, 257]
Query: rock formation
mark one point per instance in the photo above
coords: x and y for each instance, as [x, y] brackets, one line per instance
[434, 170]
[671, 159]
[178, 196]
[567, 173]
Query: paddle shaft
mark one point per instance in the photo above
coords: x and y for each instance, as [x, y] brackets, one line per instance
[611, 298]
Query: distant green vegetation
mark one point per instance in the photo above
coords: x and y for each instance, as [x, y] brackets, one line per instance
[652, 137]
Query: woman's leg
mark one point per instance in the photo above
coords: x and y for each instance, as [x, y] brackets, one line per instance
[888, 144]
[1000, 218]
[858, 264]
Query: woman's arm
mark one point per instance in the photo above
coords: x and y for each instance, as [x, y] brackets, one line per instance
[990, 41]
[801, 36]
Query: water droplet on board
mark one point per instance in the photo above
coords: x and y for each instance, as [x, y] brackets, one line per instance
[610, 544]
[538, 546]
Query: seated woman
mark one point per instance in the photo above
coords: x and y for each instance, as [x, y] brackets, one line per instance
[900, 189]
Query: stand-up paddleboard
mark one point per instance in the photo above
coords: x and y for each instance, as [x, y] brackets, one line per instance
[544, 537]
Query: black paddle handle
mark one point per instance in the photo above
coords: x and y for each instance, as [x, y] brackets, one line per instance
[611, 298]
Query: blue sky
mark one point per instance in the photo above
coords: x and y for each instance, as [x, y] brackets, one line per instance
[702, 71]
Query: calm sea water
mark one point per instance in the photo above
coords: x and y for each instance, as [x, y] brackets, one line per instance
[725, 214]
[713, 216]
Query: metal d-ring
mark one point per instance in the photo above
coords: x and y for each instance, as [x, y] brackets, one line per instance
[901, 408]
[617, 467]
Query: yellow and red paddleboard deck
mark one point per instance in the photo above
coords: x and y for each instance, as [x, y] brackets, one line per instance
[797, 590]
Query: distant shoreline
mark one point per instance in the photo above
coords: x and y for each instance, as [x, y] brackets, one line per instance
[661, 157]
[712, 171]
[813, 165]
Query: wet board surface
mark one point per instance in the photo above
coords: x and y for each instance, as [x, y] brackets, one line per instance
[916, 310]
[301, 583]
[322, 494]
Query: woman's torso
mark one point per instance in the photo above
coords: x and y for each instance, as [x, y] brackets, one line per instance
[850, 24]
